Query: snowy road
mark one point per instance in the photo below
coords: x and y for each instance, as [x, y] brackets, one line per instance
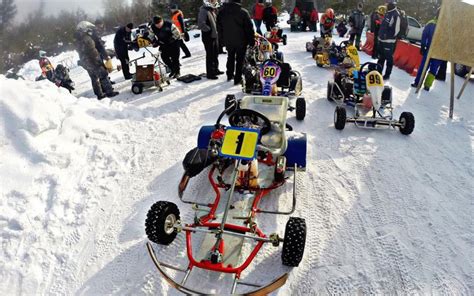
[386, 213]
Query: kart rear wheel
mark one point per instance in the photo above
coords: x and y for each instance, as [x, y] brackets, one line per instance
[407, 123]
[159, 222]
[294, 242]
[300, 108]
[229, 101]
[340, 118]
[330, 91]
[137, 88]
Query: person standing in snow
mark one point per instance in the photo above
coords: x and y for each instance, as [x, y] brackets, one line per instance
[257, 15]
[177, 17]
[270, 15]
[313, 20]
[167, 37]
[207, 22]
[91, 60]
[236, 28]
[122, 40]
[328, 21]
[433, 64]
[376, 19]
[387, 39]
[357, 23]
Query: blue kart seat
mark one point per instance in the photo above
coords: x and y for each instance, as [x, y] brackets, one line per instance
[360, 87]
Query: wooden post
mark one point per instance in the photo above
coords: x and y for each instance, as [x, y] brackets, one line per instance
[451, 100]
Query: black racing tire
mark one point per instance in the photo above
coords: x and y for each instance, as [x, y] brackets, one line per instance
[330, 91]
[300, 108]
[137, 88]
[387, 95]
[340, 118]
[294, 242]
[407, 121]
[157, 223]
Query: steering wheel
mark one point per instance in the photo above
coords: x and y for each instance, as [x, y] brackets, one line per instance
[250, 118]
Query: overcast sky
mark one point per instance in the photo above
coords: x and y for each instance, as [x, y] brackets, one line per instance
[25, 7]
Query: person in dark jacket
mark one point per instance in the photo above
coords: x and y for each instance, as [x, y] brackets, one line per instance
[235, 27]
[91, 60]
[207, 22]
[270, 15]
[167, 37]
[433, 64]
[376, 19]
[177, 17]
[388, 33]
[122, 40]
[357, 23]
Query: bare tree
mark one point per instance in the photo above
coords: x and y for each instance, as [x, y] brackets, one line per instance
[7, 13]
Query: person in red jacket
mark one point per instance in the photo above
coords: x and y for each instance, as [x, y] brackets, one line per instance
[313, 20]
[257, 15]
[327, 23]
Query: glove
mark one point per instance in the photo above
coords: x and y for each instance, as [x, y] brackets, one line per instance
[108, 65]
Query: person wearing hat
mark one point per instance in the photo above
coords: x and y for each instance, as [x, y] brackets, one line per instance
[270, 15]
[177, 17]
[357, 23]
[236, 30]
[207, 22]
[167, 37]
[328, 20]
[91, 60]
[122, 40]
[387, 38]
[376, 19]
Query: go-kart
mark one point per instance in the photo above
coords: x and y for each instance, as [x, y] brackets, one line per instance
[329, 54]
[275, 78]
[248, 160]
[364, 91]
[276, 36]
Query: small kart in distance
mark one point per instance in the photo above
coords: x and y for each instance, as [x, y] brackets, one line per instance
[364, 90]
[248, 160]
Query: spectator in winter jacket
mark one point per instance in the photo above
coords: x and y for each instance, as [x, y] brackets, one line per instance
[270, 15]
[207, 22]
[177, 18]
[91, 60]
[236, 29]
[376, 19]
[167, 37]
[342, 27]
[433, 64]
[357, 23]
[257, 15]
[387, 38]
[122, 40]
[327, 23]
[313, 20]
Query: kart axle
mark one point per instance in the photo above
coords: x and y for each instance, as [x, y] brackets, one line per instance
[218, 231]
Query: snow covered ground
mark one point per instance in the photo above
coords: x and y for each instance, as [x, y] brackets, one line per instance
[386, 213]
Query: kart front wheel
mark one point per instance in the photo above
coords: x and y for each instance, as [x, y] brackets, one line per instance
[300, 108]
[137, 88]
[340, 118]
[294, 242]
[159, 223]
[407, 123]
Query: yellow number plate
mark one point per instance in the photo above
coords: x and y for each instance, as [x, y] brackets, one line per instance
[269, 72]
[374, 79]
[240, 143]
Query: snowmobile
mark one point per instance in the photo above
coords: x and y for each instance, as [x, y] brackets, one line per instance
[364, 90]
[248, 160]
[149, 75]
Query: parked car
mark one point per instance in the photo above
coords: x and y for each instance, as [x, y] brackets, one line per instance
[415, 30]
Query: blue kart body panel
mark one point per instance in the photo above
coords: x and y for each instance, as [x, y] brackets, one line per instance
[296, 152]
[204, 136]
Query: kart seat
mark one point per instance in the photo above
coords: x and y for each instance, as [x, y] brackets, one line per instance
[360, 87]
[275, 109]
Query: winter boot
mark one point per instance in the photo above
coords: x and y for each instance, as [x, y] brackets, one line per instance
[430, 78]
